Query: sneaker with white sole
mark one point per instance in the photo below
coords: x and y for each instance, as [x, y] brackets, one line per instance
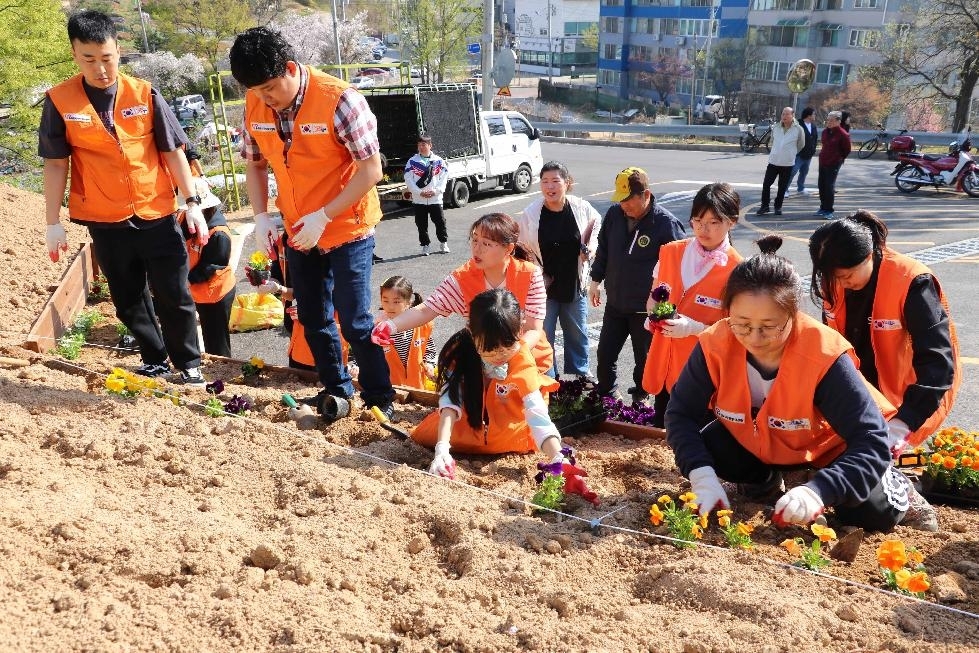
[444, 248]
[921, 515]
[426, 250]
[190, 377]
[153, 370]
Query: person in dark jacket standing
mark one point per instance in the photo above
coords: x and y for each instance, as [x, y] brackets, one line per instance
[628, 249]
[836, 147]
[804, 157]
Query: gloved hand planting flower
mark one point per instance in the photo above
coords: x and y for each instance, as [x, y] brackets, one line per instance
[564, 464]
[800, 505]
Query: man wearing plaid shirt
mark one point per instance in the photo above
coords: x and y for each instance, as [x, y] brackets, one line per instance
[320, 139]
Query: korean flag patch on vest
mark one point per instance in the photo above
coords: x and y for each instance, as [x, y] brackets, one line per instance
[138, 110]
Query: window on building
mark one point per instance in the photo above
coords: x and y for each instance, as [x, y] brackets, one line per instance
[828, 36]
[864, 38]
[696, 3]
[612, 51]
[669, 26]
[782, 35]
[609, 77]
[577, 29]
[769, 71]
[611, 3]
[829, 4]
[829, 73]
[864, 4]
[612, 25]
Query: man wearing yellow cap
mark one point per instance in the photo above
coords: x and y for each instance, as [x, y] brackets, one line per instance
[628, 249]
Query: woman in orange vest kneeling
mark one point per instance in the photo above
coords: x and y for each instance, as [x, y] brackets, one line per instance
[695, 269]
[786, 395]
[411, 354]
[893, 311]
[498, 261]
[490, 397]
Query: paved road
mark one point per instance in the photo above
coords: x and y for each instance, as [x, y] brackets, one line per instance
[917, 222]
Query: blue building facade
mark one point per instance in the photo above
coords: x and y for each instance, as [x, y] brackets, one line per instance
[655, 50]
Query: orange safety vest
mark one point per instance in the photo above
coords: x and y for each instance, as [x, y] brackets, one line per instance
[519, 274]
[212, 290]
[412, 375]
[788, 429]
[113, 179]
[505, 428]
[317, 166]
[701, 302]
[890, 340]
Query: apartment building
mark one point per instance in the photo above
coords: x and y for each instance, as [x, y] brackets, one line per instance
[550, 35]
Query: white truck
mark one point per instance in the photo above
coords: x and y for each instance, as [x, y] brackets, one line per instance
[484, 149]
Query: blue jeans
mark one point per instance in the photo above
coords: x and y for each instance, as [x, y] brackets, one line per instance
[572, 315]
[801, 168]
[314, 277]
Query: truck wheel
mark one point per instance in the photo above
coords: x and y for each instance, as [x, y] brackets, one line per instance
[522, 179]
[460, 194]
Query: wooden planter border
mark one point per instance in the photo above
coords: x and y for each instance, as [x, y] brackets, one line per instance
[65, 302]
[632, 431]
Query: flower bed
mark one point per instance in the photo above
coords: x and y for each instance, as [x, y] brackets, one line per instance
[951, 467]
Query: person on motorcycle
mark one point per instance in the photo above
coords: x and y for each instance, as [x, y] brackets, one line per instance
[893, 311]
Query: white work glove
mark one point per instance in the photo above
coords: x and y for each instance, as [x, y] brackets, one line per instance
[897, 436]
[271, 286]
[196, 223]
[57, 241]
[381, 335]
[800, 505]
[309, 229]
[443, 465]
[265, 233]
[681, 326]
[594, 294]
[710, 495]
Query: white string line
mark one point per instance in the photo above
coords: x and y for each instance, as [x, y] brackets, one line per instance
[593, 523]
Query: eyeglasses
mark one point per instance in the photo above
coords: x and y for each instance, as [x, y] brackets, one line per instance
[700, 223]
[766, 332]
[483, 243]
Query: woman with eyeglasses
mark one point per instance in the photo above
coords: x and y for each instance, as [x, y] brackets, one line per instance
[498, 260]
[787, 395]
[893, 311]
[695, 269]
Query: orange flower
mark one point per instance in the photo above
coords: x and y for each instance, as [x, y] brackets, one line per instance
[703, 520]
[725, 513]
[656, 515]
[936, 458]
[792, 546]
[975, 464]
[915, 557]
[724, 521]
[966, 461]
[918, 583]
[949, 462]
[745, 529]
[891, 555]
[939, 442]
[697, 532]
[824, 533]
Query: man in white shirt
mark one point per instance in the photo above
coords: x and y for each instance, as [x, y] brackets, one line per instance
[787, 139]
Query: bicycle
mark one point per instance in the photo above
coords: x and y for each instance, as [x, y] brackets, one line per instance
[868, 147]
[750, 141]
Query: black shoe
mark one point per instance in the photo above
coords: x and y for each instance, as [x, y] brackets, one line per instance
[153, 370]
[778, 211]
[762, 210]
[128, 343]
[190, 377]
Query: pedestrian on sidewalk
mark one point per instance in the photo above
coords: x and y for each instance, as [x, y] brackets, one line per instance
[802, 160]
[835, 149]
[788, 139]
[426, 174]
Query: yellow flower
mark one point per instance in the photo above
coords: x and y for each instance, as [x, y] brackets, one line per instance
[703, 520]
[724, 521]
[824, 533]
[918, 583]
[949, 462]
[258, 261]
[115, 384]
[656, 515]
[724, 512]
[936, 458]
[692, 507]
[891, 555]
[792, 546]
[688, 497]
[901, 578]
[257, 362]
[665, 499]
[745, 529]
[697, 532]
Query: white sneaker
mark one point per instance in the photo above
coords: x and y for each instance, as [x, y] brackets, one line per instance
[444, 248]
[426, 250]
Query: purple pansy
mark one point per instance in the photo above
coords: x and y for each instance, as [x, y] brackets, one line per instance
[237, 405]
[553, 469]
[660, 293]
[216, 387]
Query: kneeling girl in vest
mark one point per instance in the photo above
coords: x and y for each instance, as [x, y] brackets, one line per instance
[490, 399]
[411, 354]
[787, 395]
[211, 280]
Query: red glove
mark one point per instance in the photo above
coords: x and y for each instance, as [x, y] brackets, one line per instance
[381, 335]
[574, 483]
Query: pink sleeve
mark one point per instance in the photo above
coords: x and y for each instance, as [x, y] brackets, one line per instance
[536, 296]
[447, 298]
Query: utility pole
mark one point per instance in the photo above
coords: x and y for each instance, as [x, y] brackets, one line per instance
[487, 59]
[336, 39]
[142, 23]
[550, 46]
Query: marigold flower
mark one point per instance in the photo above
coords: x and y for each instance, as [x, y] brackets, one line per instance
[901, 578]
[915, 557]
[936, 458]
[688, 497]
[939, 442]
[892, 555]
[949, 462]
[918, 583]
[975, 464]
[724, 521]
[966, 461]
[745, 529]
[656, 515]
[824, 533]
[792, 546]
[665, 499]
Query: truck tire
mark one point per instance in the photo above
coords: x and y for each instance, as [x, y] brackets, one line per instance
[459, 194]
[522, 179]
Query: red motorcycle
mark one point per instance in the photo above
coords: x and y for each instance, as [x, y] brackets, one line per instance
[957, 170]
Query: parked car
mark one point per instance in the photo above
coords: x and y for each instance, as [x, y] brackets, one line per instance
[363, 81]
[374, 71]
[188, 107]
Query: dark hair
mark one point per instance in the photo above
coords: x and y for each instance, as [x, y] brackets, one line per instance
[424, 138]
[91, 26]
[560, 168]
[766, 273]
[258, 55]
[501, 228]
[403, 287]
[845, 120]
[719, 197]
[808, 111]
[494, 322]
[840, 245]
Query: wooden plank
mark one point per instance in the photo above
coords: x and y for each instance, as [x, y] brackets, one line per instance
[65, 302]
[632, 431]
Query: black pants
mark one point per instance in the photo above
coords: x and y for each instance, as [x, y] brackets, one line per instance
[214, 325]
[136, 262]
[827, 186]
[422, 213]
[881, 511]
[783, 173]
[616, 327]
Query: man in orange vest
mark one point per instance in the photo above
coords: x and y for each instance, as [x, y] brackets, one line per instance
[320, 139]
[123, 146]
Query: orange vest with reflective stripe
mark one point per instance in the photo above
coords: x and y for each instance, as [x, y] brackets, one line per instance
[412, 375]
[519, 274]
[701, 302]
[507, 430]
[212, 290]
[788, 429]
[113, 180]
[317, 166]
[890, 340]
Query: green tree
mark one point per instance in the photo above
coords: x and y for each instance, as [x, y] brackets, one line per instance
[36, 55]
[589, 38]
[435, 34]
[203, 28]
[936, 52]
